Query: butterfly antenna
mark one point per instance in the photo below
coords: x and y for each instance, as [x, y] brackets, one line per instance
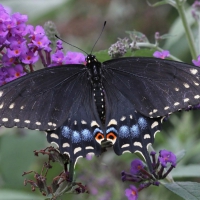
[99, 36]
[70, 44]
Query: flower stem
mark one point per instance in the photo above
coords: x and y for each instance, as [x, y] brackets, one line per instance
[188, 32]
[150, 45]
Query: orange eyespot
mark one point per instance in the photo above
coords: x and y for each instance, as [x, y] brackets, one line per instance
[111, 137]
[99, 137]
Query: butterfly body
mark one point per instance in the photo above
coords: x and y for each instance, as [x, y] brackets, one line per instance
[95, 77]
[80, 106]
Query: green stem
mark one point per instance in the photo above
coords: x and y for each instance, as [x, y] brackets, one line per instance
[188, 32]
[154, 46]
[198, 46]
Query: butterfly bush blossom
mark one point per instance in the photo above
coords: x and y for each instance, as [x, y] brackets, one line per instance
[163, 54]
[22, 46]
[161, 168]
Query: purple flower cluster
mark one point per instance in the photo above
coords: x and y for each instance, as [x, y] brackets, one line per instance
[22, 45]
[138, 174]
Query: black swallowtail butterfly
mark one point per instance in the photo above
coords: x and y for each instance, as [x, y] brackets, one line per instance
[121, 100]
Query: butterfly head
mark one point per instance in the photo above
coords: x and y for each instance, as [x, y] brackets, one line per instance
[91, 59]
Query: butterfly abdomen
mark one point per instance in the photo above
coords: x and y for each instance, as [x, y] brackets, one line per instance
[99, 99]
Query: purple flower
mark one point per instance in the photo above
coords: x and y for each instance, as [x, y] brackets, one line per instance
[167, 157]
[15, 49]
[197, 62]
[6, 61]
[59, 45]
[89, 156]
[21, 19]
[29, 57]
[57, 58]
[136, 166]
[40, 42]
[131, 193]
[74, 58]
[163, 54]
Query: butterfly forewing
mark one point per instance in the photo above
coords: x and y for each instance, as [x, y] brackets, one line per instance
[41, 100]
[155, 87]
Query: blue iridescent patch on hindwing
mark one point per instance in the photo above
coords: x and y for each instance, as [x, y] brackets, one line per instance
[77, 139]
[134, 132]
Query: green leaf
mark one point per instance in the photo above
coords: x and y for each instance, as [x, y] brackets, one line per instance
[186, 190]
[17, 154]
[6, 194]
[186, 171]
[144, 52]
[102, 55]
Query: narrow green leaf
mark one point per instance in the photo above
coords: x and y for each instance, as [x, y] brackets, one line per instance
[186, 171]
[186, 190]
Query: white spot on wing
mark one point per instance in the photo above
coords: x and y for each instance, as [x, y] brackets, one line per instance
[196, 96]
[186, 100]
[55, 144]
[127, 151]
[94, 123]
[147, 136]
[89, 147]
[1, 93]
[186, 85]
[193, 71]
[176, 89]
[176, 104]
[27, 121]
[125, 145]
[195, 83]
[154, 125]
[137, 144]
[155, 110]
[112, 122]
[50, 123]
[122, 118]
[140, 153]
[156, 133]
[53, 135]
[22, 107]
[5, 119]
[38, 123]
[76, 150]
[65, 145]
[16, 120]
[166, 108]
[1, 106]
[12, 105]
[83, 122]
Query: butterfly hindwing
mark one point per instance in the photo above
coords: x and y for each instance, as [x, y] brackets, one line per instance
[40, 100]
[155, 87]
[82, 132]
[127, 129]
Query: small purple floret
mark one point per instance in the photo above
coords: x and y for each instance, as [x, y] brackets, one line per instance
[163, 54]
[131, 193]
[167, 157]
[197, 62]
[136, 166]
